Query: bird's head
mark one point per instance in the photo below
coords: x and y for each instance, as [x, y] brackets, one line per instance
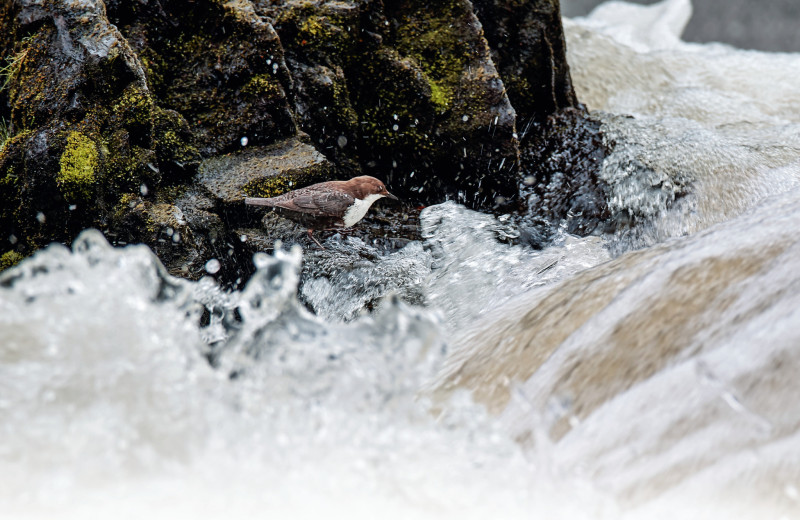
[365, 186]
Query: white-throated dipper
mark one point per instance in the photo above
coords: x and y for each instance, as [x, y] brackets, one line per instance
[327, 205]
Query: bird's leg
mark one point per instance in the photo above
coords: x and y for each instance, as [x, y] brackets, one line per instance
[311, 236]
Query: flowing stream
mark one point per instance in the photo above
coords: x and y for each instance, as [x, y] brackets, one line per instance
[648, 374]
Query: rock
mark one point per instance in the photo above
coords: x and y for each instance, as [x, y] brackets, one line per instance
[562, 158]
[112, 107]
[263, 171]
[165, 228]
[408, 91]
[80, 119]
[216, 63]
[527, 42]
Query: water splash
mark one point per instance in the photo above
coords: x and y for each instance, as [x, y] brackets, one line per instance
[108, 398]
[714, 129]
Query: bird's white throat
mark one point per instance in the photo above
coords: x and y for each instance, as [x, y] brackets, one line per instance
[359, 208]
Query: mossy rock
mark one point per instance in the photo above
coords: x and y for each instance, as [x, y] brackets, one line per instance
[81, 121]
[165, 227]
[403, 89]
[79, 163]
[263, 171]
[217, 64]
[10, 259]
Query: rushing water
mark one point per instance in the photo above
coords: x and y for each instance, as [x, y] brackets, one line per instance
[647, 374]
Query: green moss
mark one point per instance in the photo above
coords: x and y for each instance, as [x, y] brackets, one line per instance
[134, 107]
[391, 108]
[173, 142]
[76, 178]
[330, 32]
[287, 181]
[10, 259]
[430, 35]
[440, 97]
[263, 85]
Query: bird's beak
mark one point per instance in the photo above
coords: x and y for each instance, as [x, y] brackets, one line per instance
[391, 196]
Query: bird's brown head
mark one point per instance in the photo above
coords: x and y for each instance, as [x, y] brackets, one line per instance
[365, 185]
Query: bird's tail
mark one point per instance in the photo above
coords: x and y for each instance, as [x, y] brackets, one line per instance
[257, 201]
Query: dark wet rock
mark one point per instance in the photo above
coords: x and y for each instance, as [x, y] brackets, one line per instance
[216, 63]
[527, 42]
[165, 228]
[561, 162]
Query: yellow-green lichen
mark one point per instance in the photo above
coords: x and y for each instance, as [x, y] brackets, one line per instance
[287, 181]
[430, 34]
[126, 202]
[134, 107]
[79, 162]
[440, 97]
[330, 31]
[172, 139]
[263, 85]
[10, 259]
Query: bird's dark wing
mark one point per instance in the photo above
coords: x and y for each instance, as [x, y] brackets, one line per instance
[319, 201]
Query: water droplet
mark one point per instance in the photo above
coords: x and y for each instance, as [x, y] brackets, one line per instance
[395, 117]
[12, 239]
[465, 118]
[213, 266]
[73, 207]
[176, 237]
[143, 190]
[395, 128]
[529, 180]
[394, 164]
[40, 217]
[243, 238]
[169, 231]
[244, 140]
[342, 141]
[261, 260]
[269, 62]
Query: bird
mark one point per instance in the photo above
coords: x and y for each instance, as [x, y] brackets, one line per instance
[327, 205]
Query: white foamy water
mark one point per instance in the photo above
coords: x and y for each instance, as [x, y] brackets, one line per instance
[110, 407]
[559, 383]
[714, 129]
